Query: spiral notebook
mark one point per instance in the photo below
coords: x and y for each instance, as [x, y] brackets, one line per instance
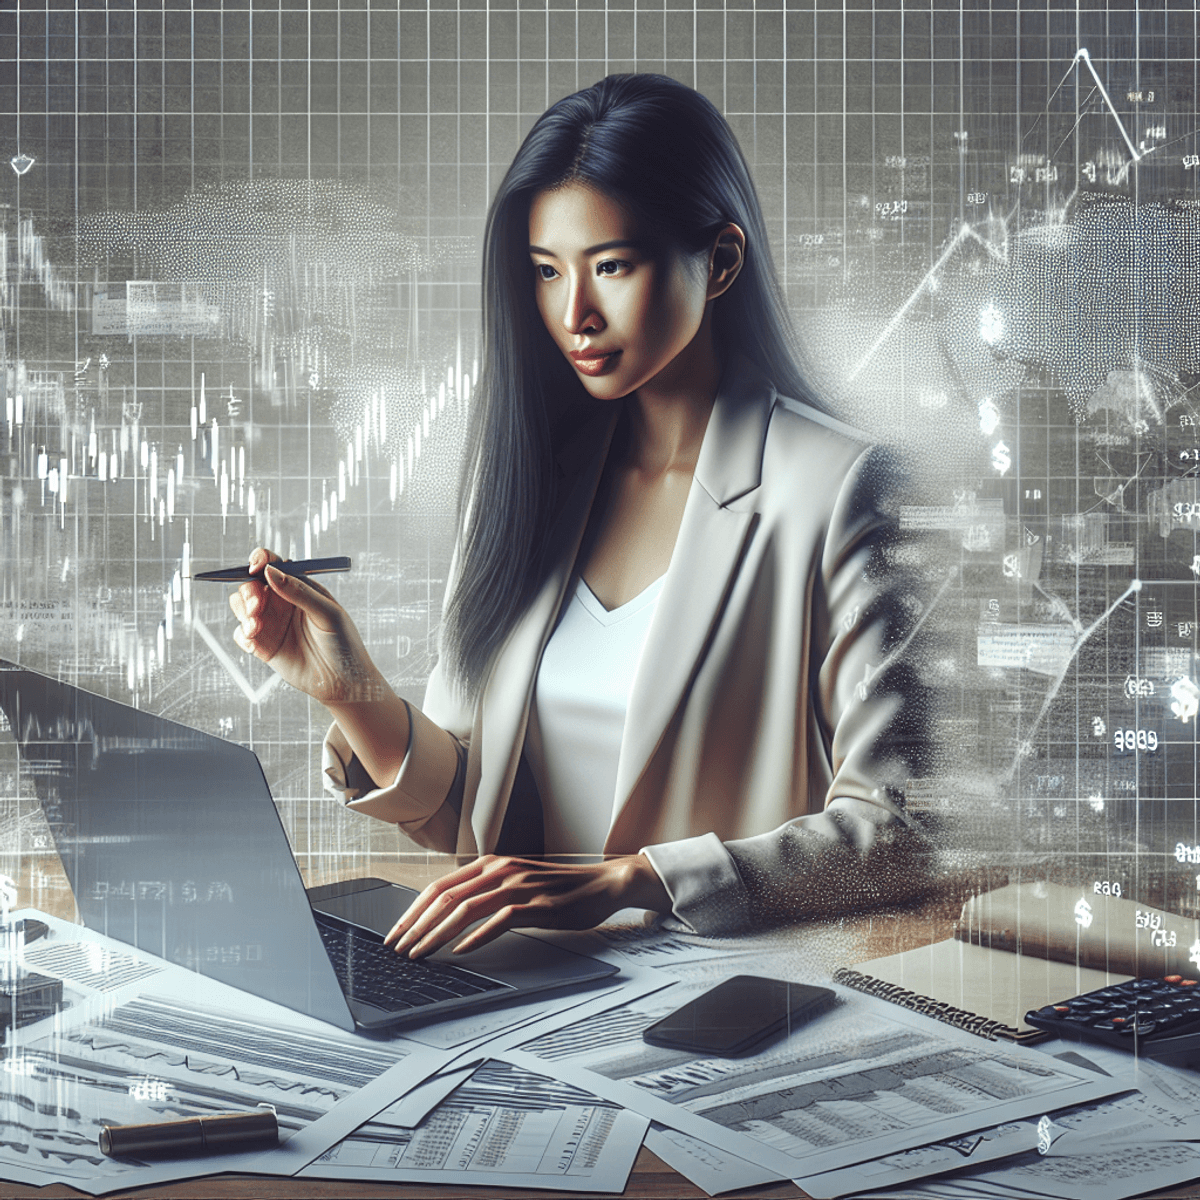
[1024, 946]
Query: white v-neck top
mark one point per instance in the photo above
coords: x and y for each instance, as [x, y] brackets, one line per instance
[577, 715]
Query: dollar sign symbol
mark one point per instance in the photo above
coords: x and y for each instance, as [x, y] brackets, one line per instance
[8, 895]
[1045, 1132]
[1001, 458]
[1083, 913]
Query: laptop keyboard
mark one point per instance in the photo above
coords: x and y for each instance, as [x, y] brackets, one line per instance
[375, 974]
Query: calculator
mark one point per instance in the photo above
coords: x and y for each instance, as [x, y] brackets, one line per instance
[1158, 1018]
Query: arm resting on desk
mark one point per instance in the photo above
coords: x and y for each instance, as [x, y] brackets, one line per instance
[851, 856]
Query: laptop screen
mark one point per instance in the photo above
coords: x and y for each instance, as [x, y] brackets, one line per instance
[171, 841]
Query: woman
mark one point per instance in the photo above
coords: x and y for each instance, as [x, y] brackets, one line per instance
[669, 631]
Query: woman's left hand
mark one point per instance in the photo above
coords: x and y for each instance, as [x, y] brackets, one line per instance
[509, 893]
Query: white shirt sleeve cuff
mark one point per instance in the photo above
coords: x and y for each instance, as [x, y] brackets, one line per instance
[706, 890]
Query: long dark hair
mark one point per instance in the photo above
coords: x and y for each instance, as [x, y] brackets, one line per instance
[664, 152]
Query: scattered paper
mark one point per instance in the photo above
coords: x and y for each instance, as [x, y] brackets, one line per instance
[504, 1126]
[190, 1047]
[714, 1171]
[864, 1080]
[1125, 1145]
[1096, 1176]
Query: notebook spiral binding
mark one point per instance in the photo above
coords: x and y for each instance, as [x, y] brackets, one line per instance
[940, 1010]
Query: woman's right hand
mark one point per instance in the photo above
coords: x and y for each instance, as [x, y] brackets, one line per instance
[299, 630]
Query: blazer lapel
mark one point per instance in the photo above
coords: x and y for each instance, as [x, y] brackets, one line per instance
[710, 546]
[507, 694]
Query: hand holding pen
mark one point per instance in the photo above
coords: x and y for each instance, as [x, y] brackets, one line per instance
[297, 628]
[301, 568]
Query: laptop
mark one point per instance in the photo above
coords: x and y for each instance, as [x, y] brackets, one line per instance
[172, 843]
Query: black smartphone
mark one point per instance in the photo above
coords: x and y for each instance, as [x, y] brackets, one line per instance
[736, 1016]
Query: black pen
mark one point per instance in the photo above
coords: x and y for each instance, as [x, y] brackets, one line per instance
[301, 567]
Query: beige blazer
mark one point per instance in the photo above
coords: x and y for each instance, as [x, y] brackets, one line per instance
[766, 693]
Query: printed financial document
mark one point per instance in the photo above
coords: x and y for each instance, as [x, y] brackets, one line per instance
[1112, 1176]
[448, 1129]
[141, 1041]
[864, 1079]
[1122, 1133]
[504, 1126]
[983, 1146]
[1113, 1149]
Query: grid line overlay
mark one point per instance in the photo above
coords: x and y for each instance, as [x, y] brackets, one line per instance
[276, 209]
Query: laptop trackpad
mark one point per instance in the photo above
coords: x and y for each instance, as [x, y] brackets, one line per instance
[375, 904]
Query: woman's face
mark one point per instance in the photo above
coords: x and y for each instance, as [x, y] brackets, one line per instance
[621, 310]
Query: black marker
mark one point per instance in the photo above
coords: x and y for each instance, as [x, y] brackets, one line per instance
[301, 567]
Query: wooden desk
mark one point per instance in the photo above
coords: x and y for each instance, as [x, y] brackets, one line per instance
[651, 1179]
[844, 940]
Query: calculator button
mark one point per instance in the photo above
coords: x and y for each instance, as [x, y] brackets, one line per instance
[1052, 1012]
[1141, 1028]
